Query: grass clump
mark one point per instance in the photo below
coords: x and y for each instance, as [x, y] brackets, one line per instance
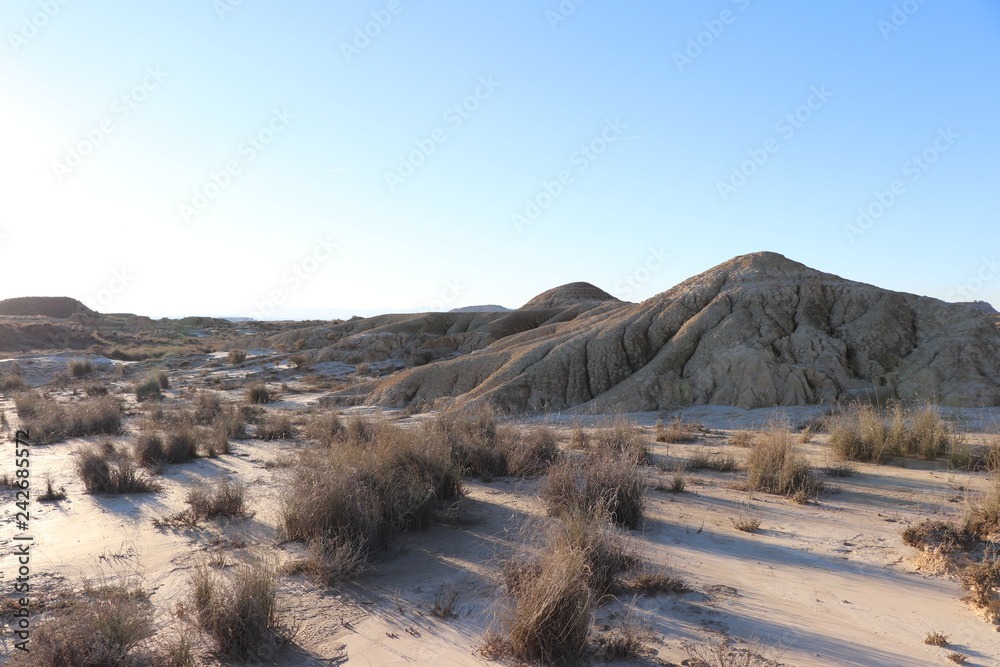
[714, 461]
[225, 499]
[656, 581]
[51, 493]
[148, 390]
[80, 367]
[239, 611]
[324, 429]
[357, 496]
[12, 383]
[236, 356]
[483, 448]
[258, 394]
[677, 431]
[774, 466]
[105, 625]
[549, 615]
[606, 482]
[747, 520]
[50, 421]
[982, 515]
[743, 438]
[868, 433]
[551, 593]
[207, 407]
[275, 426]
[623, 439]
[108, 469]
[935, 638]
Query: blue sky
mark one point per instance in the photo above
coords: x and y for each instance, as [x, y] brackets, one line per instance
[259, 158]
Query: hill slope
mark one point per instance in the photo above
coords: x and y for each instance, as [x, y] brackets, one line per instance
[758, 330]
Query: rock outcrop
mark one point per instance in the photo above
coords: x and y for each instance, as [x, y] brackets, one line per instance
[60, 307]
[759, 330]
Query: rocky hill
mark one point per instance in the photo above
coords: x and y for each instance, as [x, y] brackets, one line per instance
[758, 330]
[59, 307]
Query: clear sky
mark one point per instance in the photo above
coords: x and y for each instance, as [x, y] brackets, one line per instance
[255, 157]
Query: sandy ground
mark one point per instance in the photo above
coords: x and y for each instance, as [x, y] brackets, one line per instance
[829, 582]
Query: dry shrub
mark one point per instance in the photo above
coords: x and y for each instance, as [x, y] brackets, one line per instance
[938, 535]
[94, 389]
[215, 441]
[233, 421]
[723, 652]
[626, 640]
[606, 482]
[360, 494]
[80, 367]
[325, 429]
[108, 469]
[981, 582]
[236, 356]
[275, 426]
[180, 446]
[655, 581]
[624, 439]
[330, 561]
[743, 438]
[714, 461]
[549, 612]
[225, 499]
[258, 394]
[677, 431]
[98, 626]
[982, 515]
[12, 383]
[148, 450]
[553, 589]
[774, 466]
[50, 421]
[207, 406]
[531, 452]
[148, 390]
[864, 432]
[239, 610]
[935, 638]
[747, 520]
[483, 448]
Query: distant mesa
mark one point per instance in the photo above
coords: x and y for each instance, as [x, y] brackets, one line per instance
[570, 294]
[61, 307]
[488, 308]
